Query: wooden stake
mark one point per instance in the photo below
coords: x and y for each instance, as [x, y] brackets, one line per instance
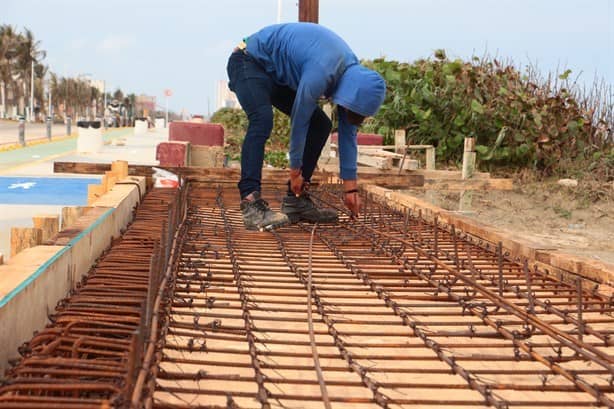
[111, 179]
[120, 167]
[70, 214]
[93, 193]
[466, 197]
[400, 144]
[24, 237]
[48, 223]
[430, 158]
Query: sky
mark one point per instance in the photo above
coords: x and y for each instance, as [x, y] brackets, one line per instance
[147, 46]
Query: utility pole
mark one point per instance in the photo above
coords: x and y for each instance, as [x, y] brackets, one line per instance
[308, 11]
[32, 92]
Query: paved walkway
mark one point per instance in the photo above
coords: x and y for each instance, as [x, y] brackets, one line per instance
[37, 160]
[10, 160]
[9, 131]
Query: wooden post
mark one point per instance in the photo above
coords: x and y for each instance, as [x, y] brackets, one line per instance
[308, 11]
[120, 167]
[1, 259]
[111, 179]
[400, 144]
[430, 158]
[466, 196]
[93, 193]
[24, 238]
[48, 223]
[70, 214]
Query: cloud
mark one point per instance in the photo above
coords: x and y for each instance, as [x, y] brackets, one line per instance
[115, 43]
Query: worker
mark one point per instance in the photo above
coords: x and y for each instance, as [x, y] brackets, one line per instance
[291, 66]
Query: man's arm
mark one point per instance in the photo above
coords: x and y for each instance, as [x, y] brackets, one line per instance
[348, 156]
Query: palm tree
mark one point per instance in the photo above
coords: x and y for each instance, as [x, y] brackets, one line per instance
[28, 53]
[8, 51]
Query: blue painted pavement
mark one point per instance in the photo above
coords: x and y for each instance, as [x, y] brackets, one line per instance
[52, 191]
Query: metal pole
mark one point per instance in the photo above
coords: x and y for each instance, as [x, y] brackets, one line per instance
[278, 11]
[32, 92]
[68, 123]
[104, 104]
[166, 103]
[49, 127]
[22, 131]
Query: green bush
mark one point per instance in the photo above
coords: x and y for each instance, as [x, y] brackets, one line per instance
[516, 122]
[235, 125]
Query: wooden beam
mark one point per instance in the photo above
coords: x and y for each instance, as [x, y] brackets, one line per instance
[308, 11]
[48, 223]
[376, 161]
[232, 175]
[469, 184]
[24, 238]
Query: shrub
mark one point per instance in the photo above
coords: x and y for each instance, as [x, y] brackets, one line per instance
[517, 122]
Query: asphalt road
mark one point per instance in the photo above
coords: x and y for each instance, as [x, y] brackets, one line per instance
[9, 131]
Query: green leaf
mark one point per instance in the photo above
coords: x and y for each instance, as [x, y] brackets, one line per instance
[565, 75]
[477, 107]
[481, 149]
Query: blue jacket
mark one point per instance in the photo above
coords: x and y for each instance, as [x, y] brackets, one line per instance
[316, 62]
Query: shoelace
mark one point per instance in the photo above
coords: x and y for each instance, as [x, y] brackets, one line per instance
[261, 204]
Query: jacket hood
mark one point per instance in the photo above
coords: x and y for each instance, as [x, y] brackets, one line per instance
[360, 90]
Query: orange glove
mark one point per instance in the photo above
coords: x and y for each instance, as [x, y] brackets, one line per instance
[296, 181]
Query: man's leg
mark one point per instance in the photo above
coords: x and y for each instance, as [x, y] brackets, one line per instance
[302, 207]
[319, 128]
[253, 89]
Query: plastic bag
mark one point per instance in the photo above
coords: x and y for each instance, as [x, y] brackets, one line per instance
[164, 178]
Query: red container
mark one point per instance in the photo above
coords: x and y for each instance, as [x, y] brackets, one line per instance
[363, 138]
[197, 133]
[175, 153]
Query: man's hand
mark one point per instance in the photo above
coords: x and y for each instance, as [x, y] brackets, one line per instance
[351, 198]
[296, 181]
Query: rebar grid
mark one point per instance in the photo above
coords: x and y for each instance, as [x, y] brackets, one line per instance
[88, 355]
[407, 312]
[392, 305]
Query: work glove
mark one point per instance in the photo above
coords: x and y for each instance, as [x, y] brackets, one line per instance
[296, 181]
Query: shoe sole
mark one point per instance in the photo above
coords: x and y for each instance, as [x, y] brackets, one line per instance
[295, 218]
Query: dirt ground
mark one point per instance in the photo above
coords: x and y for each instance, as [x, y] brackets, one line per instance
[577, 220]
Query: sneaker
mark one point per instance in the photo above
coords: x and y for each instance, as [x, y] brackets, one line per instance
[257, 215]
[301, 207]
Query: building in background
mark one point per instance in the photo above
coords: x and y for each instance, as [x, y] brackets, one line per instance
[225, 97]
[145, 105]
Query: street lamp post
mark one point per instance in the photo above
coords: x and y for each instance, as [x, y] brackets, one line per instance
[32, 91]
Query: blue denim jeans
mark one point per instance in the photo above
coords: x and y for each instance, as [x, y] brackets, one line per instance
[258, 94]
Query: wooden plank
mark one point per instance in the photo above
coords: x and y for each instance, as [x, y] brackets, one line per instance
[376, 161]
[120, 167]
[94, 192]
[469, 184]
[232, 175]
[70, 214]
[48, 223]
[24, 238]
